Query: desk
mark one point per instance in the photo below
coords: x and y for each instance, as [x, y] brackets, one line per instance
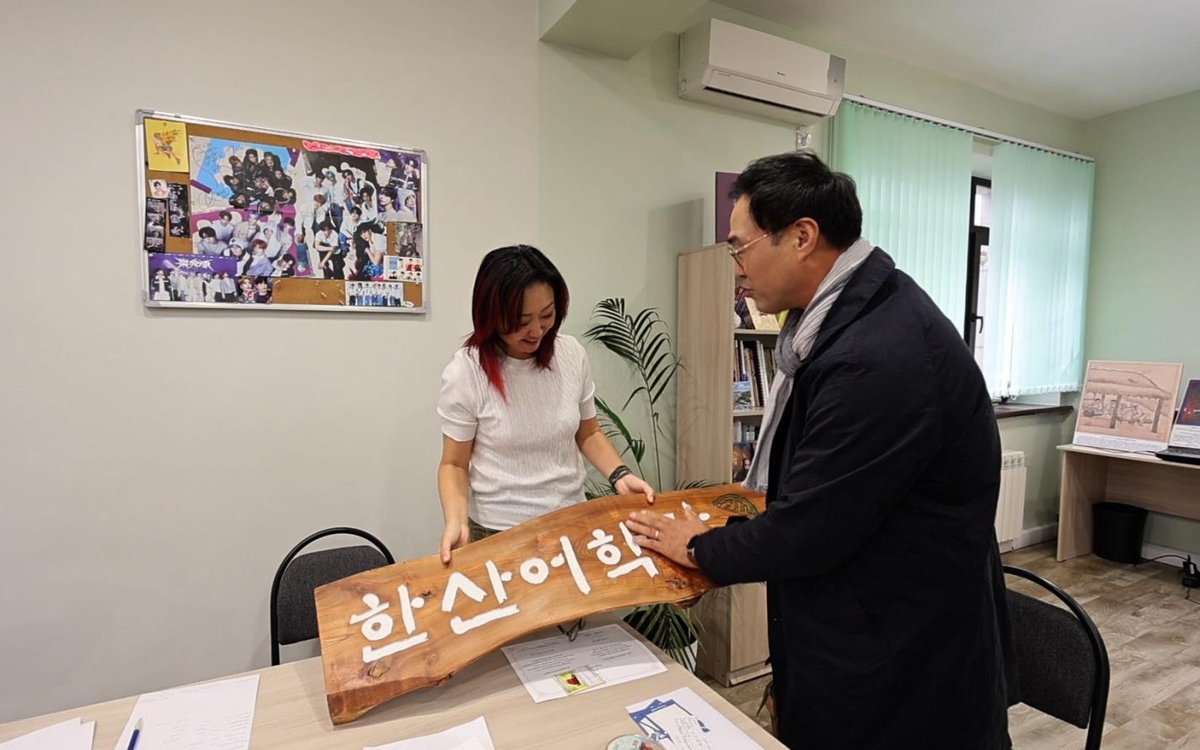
[291, 711]
[1090, 475]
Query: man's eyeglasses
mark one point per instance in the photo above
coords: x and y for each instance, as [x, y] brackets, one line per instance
[736, 252]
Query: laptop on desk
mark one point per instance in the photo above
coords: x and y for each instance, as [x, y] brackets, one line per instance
[1184, 445]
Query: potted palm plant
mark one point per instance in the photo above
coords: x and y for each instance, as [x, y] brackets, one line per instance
[644, 343]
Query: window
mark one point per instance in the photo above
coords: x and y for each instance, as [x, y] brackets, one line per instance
[977, 249]
[1027, 220]
[1033, 302]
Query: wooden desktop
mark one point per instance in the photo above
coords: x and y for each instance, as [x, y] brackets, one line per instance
[1091, 475]
[291, 711]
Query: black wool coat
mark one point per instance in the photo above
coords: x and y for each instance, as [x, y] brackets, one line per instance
[888, 621]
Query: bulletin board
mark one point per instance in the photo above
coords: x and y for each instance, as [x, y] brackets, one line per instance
[249, 218]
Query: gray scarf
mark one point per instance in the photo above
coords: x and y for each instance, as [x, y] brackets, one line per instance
[792, 348]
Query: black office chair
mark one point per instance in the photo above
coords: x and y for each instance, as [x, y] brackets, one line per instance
[299, 575]
[1062, 664]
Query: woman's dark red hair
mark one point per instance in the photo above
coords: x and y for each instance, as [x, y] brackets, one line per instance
[500, 285]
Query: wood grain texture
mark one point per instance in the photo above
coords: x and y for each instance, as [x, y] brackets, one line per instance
[733, 642]
[291, 712]
[704, 403]
[1084, 477]
[1092, 475]
[1167, 488]
[1145, 458]
[733, 637]
[537, 574]
[748, 649]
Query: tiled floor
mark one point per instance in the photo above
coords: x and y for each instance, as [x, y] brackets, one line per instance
[1152, 633]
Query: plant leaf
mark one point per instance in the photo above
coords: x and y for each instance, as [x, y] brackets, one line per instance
[636, 391]
[669, 627]
[614, 421]
[657, 394]
[643, 324]
[617, 342]
[663, 368]
[644, 341]
[614, 427]
[652, 351]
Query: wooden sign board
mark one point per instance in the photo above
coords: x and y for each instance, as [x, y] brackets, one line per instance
[414, 624]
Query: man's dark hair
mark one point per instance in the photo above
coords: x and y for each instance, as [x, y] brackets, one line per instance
[787, 187]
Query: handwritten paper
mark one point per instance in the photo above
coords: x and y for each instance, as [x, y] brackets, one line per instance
[473, 735]
[682, 720]
[212, 716]
[556, 667]
[68, 735]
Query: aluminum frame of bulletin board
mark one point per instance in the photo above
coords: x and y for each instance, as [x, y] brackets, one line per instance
[242, 217]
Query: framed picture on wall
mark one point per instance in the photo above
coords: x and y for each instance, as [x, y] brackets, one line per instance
[1128, 406]
[250, 218]
[723, 204]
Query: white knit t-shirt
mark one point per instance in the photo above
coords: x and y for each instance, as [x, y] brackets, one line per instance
[525, 461]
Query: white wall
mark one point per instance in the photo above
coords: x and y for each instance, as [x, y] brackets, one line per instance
[627, 171]
[137, 551]
[627, 181]
[1038, 437]
[155, 467]
[1152, 145]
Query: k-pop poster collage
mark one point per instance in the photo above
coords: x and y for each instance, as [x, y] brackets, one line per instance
[240, 216]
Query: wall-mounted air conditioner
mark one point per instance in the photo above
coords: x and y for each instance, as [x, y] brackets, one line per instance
[747, 70]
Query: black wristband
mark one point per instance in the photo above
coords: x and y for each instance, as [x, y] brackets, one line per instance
[617, 473]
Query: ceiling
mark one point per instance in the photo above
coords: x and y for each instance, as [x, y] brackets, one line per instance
[1080, 58]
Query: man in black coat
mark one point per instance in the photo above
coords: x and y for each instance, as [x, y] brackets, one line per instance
[881, 459]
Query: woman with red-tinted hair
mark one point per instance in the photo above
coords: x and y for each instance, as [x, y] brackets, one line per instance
[517, 406]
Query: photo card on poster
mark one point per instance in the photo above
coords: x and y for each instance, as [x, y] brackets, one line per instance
[282, 220]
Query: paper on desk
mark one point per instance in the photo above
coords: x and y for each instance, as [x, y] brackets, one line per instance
[555, 667]
[68, 735]
[212, 716]
[473, 735]
[682, 720]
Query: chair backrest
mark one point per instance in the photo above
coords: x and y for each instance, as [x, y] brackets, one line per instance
[1062, 664]
[293, 610]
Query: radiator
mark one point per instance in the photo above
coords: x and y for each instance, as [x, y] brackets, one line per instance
[1010, 510]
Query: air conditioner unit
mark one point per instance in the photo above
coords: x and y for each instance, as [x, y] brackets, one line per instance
[747, 70]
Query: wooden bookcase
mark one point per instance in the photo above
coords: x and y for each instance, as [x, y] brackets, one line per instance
[733, 643]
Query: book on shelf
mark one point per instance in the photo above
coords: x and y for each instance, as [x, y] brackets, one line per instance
[741, 311]
[762, 321]
[750, 372]
[743, 454]
[745, 432]
[749, 317]
[743, 399]
[754, 362]
[755, 373]
[764, 377]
